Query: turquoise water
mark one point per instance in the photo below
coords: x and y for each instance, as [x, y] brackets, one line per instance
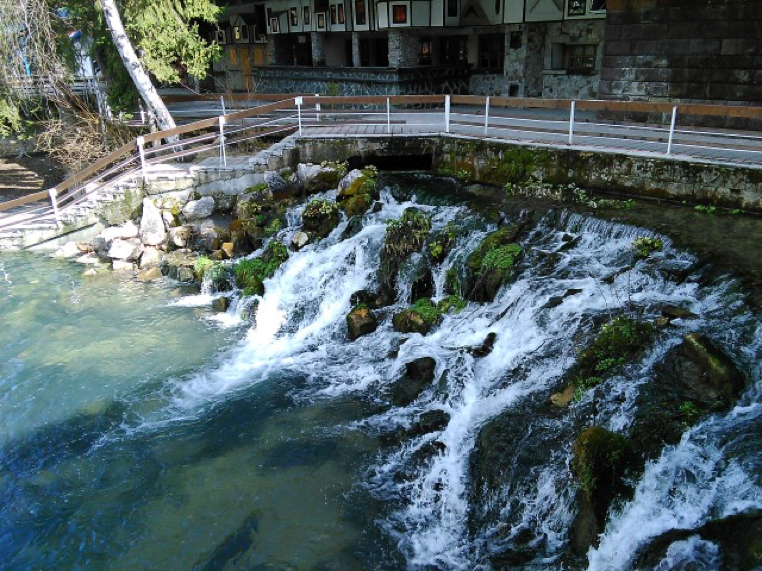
[102, 468]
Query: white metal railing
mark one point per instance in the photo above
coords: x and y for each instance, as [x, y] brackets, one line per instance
[552, 122]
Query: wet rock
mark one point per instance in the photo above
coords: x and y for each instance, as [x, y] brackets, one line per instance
[486, 347]
[354, 225]
[150, 258]
[207, 237]
[92, 259]
[152, 230]
[221, 304]
[278, 184]
[421, 317]
[228, 248]
[675, 312]
[563, 398]
[179, 265]
[125, 249]
[492, 264]
[349, 186]
[198, 209]
[248, 204]
[377, 207]
[423, 282]
[320, 217]
[218, 255]
[249, 310]
[441, 244]
[738, 536]
[319, 178]
[356, 205]
[122, 266]
[403, 237]
[68, 250]
[372, 299]
[557, 300]
[150, 274]
[694, 379]
[360, 321]
[430, 421]
[299, 240]
[419, 374]
[569, 243]
[181, 236]
[662, 321]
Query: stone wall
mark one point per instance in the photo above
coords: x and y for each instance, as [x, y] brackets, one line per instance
[684, 50]
[496, 163]
[563, 84]
[403, 49]
[362, 81]
[487, 84]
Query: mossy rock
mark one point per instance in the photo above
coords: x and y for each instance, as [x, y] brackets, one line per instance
[356, 205]
[620, 341]
[441, 244]
[403, 237]
[493, 263]
[601, 461]
[250, 274]
[419, 374]
[420, 317]
[360, 321]
[320, 217]
[359, 182]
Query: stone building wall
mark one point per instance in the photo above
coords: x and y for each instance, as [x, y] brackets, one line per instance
[563, 84]
[684, 50]
[403, 49]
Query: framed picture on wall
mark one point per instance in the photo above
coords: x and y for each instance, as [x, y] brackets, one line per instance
[274, 26]
[294, 16]
[399, 14]
[333, 15]
[306, 16]
[341, 13]
[577, 7]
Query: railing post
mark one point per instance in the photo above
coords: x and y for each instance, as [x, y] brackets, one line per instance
[571, 122]
[388, 117]
[299, 113]
[54, 201]
[486, 116]
[142, 115]
[222, 104]
[317, 109]
[141, 151]
[672, 130]
[223, 154]
[447, 113]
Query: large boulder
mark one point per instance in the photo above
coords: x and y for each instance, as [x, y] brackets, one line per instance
[493, 263]
[695, 378]
[319, 178]
[152, 230]
[299, 240]
[420, 317]
[403, 237]
[129, 250]
[102, 242]
[320, 217]
[181, 236]
[179, 265]
[150, 258]
[360, 321]
[199, 209]
[419, 374]
[277, 184]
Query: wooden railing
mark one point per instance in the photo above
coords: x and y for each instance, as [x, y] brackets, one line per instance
[553, 121]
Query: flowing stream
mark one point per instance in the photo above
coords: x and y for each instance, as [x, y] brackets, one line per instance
[139, 430]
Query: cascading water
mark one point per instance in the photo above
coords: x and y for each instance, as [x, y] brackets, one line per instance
[432, 499]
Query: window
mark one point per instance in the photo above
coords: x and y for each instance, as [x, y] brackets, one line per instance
[321, 21]
[424, 57]
[294, 15]
[576, 7]
[333, 14]
[241, 34]
[452, 8]
[306, 16]
[341, 13]
[221, 37]
[598, 6]
[360, 12]
[491, 52]
[580, 58]
[454, 50]
[274, 26]
[399, 14]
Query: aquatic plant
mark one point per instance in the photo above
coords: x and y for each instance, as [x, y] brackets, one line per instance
[646, 246]
[250, 274]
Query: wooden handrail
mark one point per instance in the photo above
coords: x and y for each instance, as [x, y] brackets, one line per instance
[231, 97]
[24, 200]
[96, 166]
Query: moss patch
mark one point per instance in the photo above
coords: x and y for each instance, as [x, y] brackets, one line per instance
[645, 246]
[441, 244]
[250, 274]
[492, 264]
[403, 237]
[420, 317]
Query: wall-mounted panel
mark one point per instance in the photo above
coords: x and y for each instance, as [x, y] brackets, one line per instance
[544, 10]
[421, 13]
[513, 13]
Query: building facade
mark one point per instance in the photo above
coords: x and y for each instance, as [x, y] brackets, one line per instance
[520, 48]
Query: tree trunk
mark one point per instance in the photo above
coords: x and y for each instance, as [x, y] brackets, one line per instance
[130, 60]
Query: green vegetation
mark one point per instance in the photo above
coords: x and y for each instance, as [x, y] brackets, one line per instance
[10, 119]
[418, 318]
[690, 412]
[618, 342]
[600, 461]
[406, 234]
[452, 281]
[320, 217]
[453, 303]
[500, 260]
[250, 274]
[441, 244]
[646, 246]
[201, 265]
[705, 209]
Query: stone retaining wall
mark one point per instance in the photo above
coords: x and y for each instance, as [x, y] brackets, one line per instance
[493, 162]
